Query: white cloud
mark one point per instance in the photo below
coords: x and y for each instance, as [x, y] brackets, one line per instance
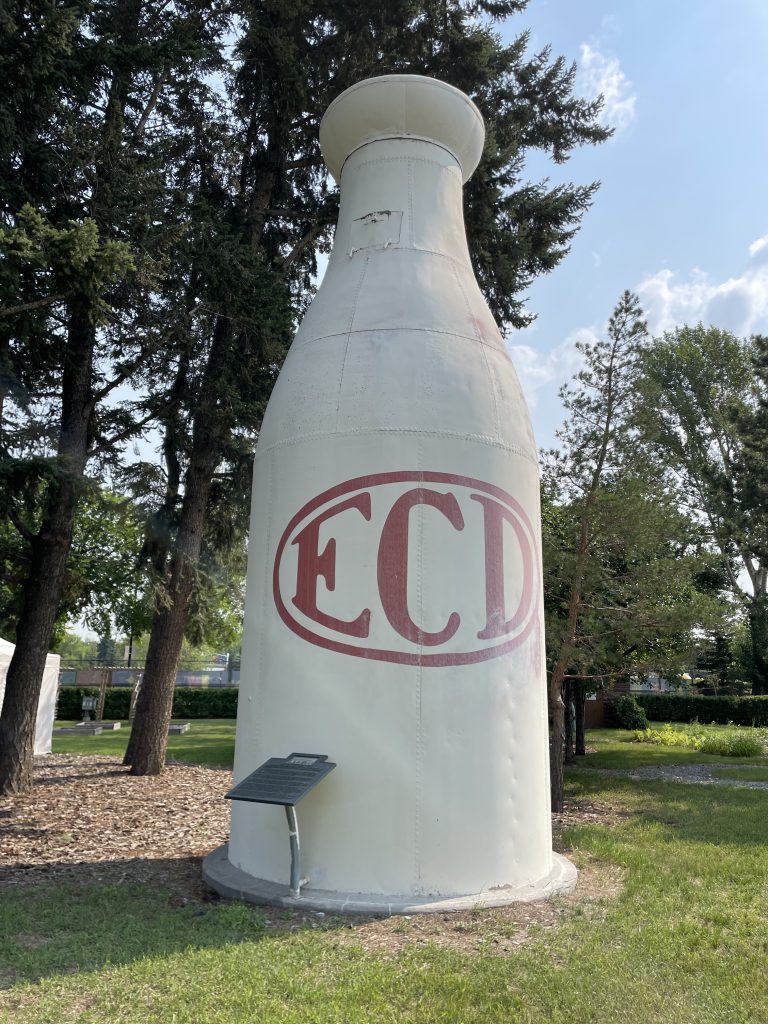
[600, 73]
[545, 372]
[739, 304]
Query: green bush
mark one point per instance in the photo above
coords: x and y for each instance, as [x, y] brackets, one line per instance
[682, 707]
[218, 703]
[736, 742]
[187, 703]
[117, 703]
[667, 737]
[626, 713]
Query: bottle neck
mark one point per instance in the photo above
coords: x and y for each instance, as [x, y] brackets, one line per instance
[401, 194]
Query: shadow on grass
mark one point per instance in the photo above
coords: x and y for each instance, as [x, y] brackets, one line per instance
[720, 815]
[64, 919]
[201, 753]
[208, 743]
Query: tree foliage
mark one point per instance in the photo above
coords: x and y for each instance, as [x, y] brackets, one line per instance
[621, 561]
[163, 202]
[269, 206]
[83, 173]
[704, 421]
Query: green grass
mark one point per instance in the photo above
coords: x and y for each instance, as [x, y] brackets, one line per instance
[756, 774]
[212, 741]
[615, 748]
[684, 943]
[209, 741]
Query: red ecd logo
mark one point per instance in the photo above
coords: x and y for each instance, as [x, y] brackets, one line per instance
[374, 566]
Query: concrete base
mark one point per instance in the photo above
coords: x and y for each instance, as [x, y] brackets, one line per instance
[84, 729]
[235, 884]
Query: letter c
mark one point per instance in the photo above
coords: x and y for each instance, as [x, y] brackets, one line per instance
[392, 568]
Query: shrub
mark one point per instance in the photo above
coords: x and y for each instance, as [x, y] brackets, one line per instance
[734, 742]
[214, 703]
[626, 713]
[683, 707]
[666, 736]
[117, 703]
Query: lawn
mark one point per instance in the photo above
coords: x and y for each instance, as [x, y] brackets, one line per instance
[684, 941]
[209, 741]
[758, 773]
[613, 748]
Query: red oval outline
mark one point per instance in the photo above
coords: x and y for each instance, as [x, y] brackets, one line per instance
[362, 483]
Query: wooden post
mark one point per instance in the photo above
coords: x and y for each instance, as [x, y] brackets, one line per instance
[103, 683]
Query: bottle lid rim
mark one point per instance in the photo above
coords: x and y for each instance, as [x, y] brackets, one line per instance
[402, 106]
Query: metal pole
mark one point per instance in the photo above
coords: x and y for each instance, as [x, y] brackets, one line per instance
[293, 833]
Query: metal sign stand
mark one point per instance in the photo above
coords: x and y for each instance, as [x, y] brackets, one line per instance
[285, 780]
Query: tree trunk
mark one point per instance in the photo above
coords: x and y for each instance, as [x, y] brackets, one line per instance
[44, 585]
[757, 613]
[581, 700]
[557, 709]
[569, 748]
[149, 735]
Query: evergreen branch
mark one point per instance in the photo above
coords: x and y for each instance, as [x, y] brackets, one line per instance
[302, 244]
[121, 378]
[152, 101]
[121, 435]
[25, 307]
[22, 528]
[292, 165]
[288, 214]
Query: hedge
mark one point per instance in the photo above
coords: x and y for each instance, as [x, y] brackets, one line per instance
[682, 707]
[116, 702]
[218, 703]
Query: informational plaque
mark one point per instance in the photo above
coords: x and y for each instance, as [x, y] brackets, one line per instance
[283, 780]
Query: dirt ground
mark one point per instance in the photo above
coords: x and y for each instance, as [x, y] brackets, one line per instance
[87, 819]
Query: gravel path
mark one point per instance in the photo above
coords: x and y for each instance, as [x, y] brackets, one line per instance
[695, 774]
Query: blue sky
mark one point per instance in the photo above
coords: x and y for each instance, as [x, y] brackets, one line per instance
[681, 217]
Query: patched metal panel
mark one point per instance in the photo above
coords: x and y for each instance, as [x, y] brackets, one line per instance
[375, 230]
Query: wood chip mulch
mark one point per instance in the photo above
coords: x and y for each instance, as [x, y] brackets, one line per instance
[88, 820]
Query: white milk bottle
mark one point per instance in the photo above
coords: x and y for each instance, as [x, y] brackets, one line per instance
[394, 608]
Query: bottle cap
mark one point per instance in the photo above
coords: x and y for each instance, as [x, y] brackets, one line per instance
[402, 107]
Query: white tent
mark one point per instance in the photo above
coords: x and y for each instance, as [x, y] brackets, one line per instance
[46, 708]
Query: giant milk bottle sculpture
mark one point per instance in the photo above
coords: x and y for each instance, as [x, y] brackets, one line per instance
[394, 610]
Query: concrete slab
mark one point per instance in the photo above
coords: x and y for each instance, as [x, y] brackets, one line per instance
[229, 881]
[79, 730]
[178, 728]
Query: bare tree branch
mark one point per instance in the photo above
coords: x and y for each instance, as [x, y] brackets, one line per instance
[134, 428]
[24, 307]
[302, 244]
[152, 101]
[23, 529]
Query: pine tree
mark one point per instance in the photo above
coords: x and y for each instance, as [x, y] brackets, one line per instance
[82, 169]
[268, 192]
[620, 559]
